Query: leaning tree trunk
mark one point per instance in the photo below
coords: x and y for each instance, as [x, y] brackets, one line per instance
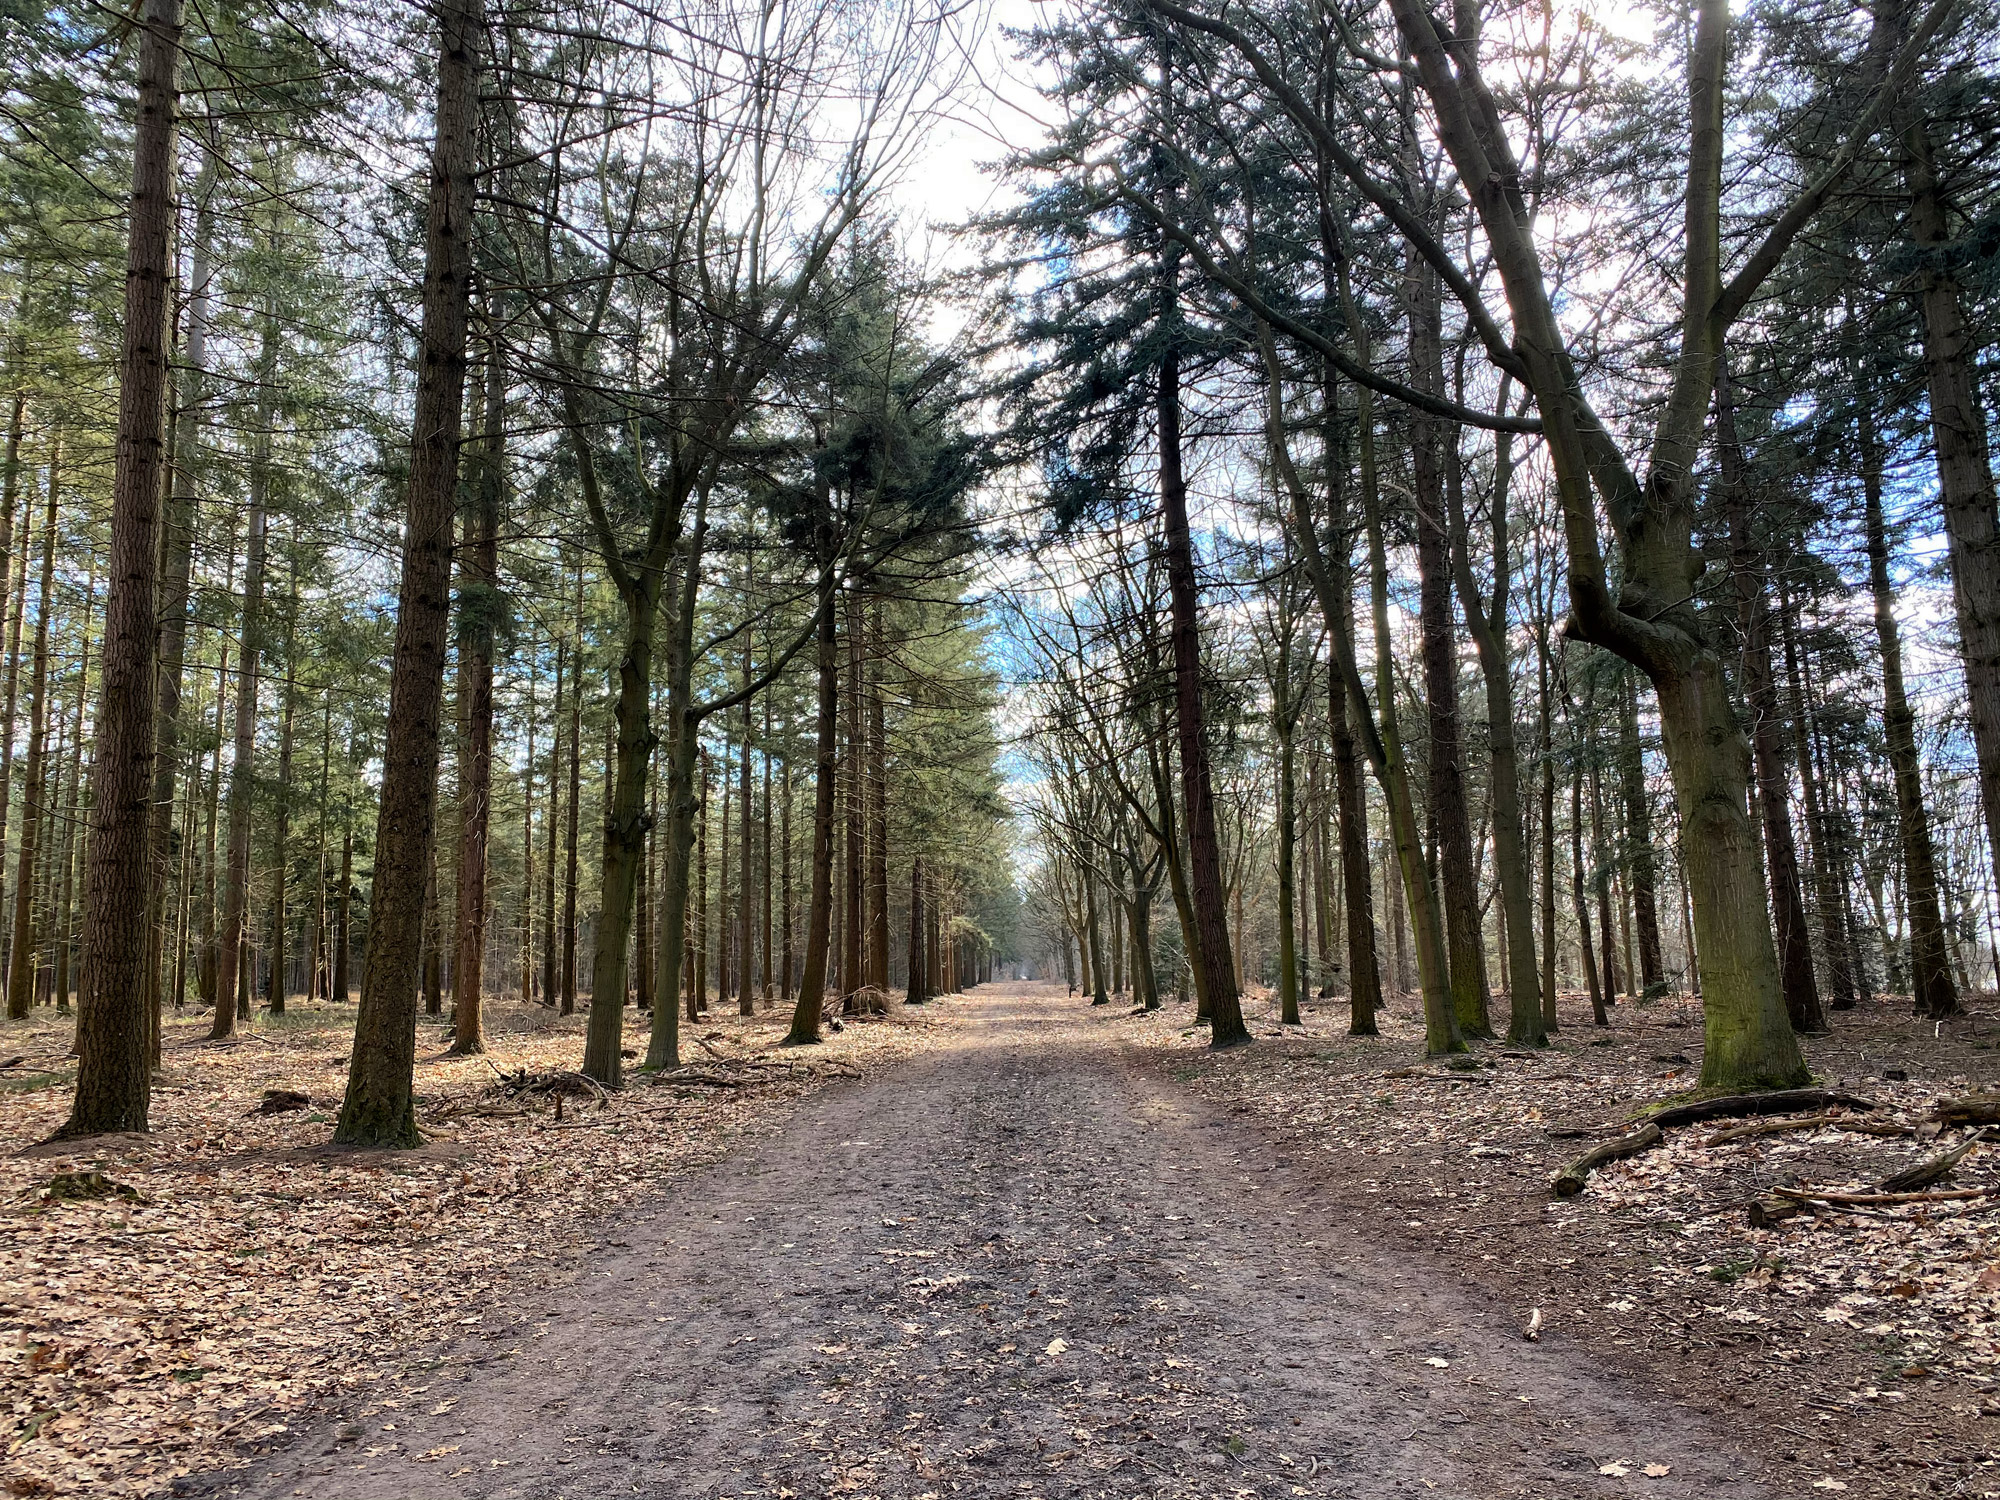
[379, 1109]
[1383, 739]
[114, 1077]
[479, 607]
[1225, 1007]
[1930, 967]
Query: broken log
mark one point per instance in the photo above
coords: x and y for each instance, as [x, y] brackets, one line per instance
[1922, 1174]
[1570, 1180]
[1765, 1212]
[1968, 1109]
[1779, 1102]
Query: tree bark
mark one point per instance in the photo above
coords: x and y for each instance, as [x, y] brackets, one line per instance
[478, 609]
[1642, 869]
[242, 769]
[1525, 1021]
[826, 749]
[1433, 451]
[114, 1075]
[282, 811]
[379, 1109]
[916, 993]
[176, 566]
[572, 816]
[23, 950]
[877, 782]
[1225, 1009]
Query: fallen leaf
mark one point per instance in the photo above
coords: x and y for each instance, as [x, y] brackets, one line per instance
[1615, 1470]
[1056, 1346]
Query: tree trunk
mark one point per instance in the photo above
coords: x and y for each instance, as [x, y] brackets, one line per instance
[16, 616]
[624, 836]
[1525, 1020]
[1212, 955]
[746, 962]
[551, 980]
[826, 749]
[572, 816]
[854, 848]
[1639, 861]
[877, 782]
[34, 802]
[242, 770]
[478, 611]
[379, 1108]
[1930, 969]
[282, 812]
[1767, 744]
[1284, 717]
[1599, 1016]
[176, 566]
[1964, 467]
[1433, 452]
[916, 993]
[114, 1076]
[1380, 727]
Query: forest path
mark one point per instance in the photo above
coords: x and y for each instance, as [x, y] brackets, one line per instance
[1017, 1264]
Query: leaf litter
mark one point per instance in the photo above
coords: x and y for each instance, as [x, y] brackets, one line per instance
[170, 1300]
[1861, 1339]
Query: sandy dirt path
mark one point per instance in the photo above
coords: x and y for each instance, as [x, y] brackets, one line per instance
[1016, 1265]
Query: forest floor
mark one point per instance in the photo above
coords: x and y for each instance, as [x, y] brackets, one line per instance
[232, 1268]
[1034, 1250]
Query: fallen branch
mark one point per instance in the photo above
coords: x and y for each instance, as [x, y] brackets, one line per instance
[1906, 1186]
[1876, 1200]
[1570, 1180]
[1780, 1102]
[1809, 1122]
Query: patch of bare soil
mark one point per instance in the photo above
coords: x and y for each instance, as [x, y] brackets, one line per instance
[1022, 1262]
[167, 1301]
[1854, 1348]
